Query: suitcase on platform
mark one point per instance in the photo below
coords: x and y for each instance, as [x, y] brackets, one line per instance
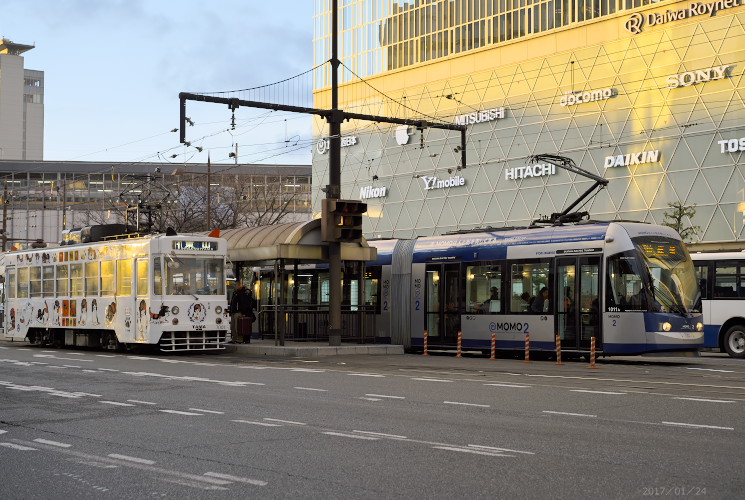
[244, 329]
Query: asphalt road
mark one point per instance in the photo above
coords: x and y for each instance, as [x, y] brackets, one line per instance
[90, 424]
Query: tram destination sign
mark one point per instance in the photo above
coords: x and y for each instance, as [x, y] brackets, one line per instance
[200, 246]
[573, 251]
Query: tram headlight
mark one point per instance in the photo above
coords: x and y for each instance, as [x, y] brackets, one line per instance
[218, 309]
[667, 326]
[175, 321]
[218, 321]
[700, 326]
[175, 309]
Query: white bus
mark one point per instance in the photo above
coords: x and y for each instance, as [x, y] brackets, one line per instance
[722, 281]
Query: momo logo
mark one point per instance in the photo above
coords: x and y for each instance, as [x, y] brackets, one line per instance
[322, 146]
[635, 24]
[402, 135]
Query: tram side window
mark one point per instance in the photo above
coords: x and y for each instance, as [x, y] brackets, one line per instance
[107, 278]
[92, 277]
[63, 280]
[11, 283]
[484, 288]
[23, 283]
[76, 280]
[157, 276]
[702, 274]
[141, 277]
[124, 277]
[625, 290]
[35, 281]
[372, 287]
[47, 281]
[529, 287]
[729, 279]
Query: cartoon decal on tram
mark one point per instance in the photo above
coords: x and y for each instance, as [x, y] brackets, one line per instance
[120, 290]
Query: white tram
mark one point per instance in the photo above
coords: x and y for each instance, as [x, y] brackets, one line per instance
[103, 288]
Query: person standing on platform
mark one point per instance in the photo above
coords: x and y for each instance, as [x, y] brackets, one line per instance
[240, 307]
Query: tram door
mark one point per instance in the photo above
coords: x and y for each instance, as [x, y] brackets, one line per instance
[577, 299]
[443, 303]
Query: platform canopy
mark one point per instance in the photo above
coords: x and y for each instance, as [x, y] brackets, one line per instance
[298, 241]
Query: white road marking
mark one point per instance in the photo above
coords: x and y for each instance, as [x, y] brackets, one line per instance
[478, 446]
[341, 434]
[310, 389]
[515, 386]
[18, 447]
[90, 371]
[431, 380]
[707, 400]
[106, 355]
[177, 412]
[384, 396]
[285, 421]
[53, 443]
[366, 375]
[380, 434]
[237, 479]
[369, 399]
[711, 370]
[132, 459]
[107, 370]
[208, 411]
[72, 366]
[265, 424]
[196, 484]
[141, 402]
[470, 450]
[60, 357]
[2, 431]
[465, 404]
[596, 392]
[569, 414]
[115, 403]
[699, 426]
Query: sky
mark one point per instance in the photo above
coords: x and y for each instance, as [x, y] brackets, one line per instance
[113, 70]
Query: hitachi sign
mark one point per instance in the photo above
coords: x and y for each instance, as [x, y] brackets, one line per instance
[530, 171]
[698, 76]
[632, 159]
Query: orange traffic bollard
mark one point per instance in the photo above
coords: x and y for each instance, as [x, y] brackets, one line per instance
[425, 353]
[558, 350]
[592, 353]
[493, 346]
[460, 345]
[527, 348]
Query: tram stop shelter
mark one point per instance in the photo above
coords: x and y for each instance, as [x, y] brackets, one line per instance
[286, 266]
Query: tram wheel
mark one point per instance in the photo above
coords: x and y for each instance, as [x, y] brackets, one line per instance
[734, 341]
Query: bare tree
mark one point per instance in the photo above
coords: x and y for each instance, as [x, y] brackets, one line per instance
[675, 218]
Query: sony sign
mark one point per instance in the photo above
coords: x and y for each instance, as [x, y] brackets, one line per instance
[632, 159]
[575, 97]
[372, 192]
[699, 76]
[486, 115]
[636, 22]
[432, 182]
[323, 145]
[530, 171]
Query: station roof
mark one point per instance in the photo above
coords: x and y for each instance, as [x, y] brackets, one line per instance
[297, 241]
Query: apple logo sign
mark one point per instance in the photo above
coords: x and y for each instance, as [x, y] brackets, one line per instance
[402, 135]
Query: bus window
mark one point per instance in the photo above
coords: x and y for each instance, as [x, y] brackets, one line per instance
[729, 279]
[124, 277]
[484, 288]
[107, 278]
[63, 280]
[92, 272]
[35, 281]
[702, 273]
[76, 280]
[47, 281]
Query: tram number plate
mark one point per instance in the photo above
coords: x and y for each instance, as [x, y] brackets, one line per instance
[198, 327]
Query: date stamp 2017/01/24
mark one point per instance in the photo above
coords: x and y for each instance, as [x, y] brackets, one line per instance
[673, 491]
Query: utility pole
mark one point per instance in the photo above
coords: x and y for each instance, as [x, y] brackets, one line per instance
[209, 193]
[5, 214]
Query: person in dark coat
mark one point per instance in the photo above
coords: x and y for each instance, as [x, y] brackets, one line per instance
[241, 306]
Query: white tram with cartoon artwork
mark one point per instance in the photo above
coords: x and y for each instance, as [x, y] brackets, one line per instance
[102, 288]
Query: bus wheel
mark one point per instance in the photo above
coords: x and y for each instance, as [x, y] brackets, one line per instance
[734, 341]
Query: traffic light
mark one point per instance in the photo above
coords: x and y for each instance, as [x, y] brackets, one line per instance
[341, 220]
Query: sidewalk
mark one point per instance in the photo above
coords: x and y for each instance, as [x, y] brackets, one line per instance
[267, 347]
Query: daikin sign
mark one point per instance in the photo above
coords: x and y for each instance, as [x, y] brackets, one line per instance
[632, 159]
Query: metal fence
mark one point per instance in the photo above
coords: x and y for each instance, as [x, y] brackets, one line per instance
[311, 323]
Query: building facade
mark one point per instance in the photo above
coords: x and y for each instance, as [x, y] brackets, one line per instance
[648, 94]
[21, 105]
[43, 198]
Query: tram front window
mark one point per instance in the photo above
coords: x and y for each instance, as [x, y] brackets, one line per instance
[194, 276]
[671, 274]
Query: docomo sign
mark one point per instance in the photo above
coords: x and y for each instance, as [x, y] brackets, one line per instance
[578, 97]
[530, 171]
[732, 145]
[323, 145]
[698, 76]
